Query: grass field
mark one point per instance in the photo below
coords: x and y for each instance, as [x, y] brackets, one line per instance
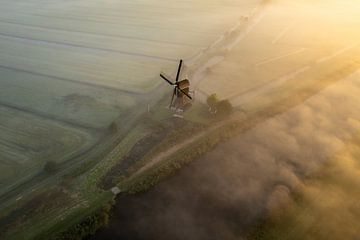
[107, 43]
[23, 157]
[80, 65]
[70, 69]
[80, 104]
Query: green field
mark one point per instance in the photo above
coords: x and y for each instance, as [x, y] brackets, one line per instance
[80, 104]
[118, 44]
[75, 79]
[27, 141]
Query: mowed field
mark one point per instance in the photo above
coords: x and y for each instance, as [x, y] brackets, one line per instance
[27, 141]
[68, 69]
[284, 42]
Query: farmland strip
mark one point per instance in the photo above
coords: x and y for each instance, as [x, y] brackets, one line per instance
[49, 117]
[67, 79]
[96, 34]
[7, 36]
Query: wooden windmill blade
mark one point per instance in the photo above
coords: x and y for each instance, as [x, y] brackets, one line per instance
[167, 80]
[185, 92]
[179, 70]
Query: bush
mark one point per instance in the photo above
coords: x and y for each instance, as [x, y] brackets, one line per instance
[88, 226]
[224, 107]
[113, 128]
[217, 107]
[50, 166]
[212, 101]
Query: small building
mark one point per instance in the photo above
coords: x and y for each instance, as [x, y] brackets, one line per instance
[115, 190]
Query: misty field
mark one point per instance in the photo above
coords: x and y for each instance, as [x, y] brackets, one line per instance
[74, 78]
[292, 176]
[76, 103]
[80, 89]
[118, 44]
[84, 64]
[80, 65]
[280, 46]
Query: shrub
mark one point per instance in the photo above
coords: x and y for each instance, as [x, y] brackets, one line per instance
[50, 166]
[224, 107]
[212, 101]
[219, 107]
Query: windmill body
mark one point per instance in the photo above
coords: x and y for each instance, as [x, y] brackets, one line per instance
[181, 92]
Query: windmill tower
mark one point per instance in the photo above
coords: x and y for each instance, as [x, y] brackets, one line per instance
[181, 93]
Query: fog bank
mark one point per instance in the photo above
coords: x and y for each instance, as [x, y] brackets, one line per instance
[228, 190]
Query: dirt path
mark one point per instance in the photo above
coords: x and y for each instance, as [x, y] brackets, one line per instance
[172, 150]
[282, 33]
[338, 53]
[166, 154]
[274, 59]
[256, 91]
[250, 94]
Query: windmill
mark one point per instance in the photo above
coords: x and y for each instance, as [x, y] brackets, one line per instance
[181, 91]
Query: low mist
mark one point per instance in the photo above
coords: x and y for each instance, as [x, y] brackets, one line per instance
[288, 168]
[254, 175]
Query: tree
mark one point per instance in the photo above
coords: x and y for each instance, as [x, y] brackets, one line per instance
[50, 166]
[212, 102]
[224, 107]
[113, 127]
[219, 107]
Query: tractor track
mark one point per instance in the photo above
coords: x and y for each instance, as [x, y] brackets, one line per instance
[51, 117]
[69, 80]
[79, 46]
[38, 27]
